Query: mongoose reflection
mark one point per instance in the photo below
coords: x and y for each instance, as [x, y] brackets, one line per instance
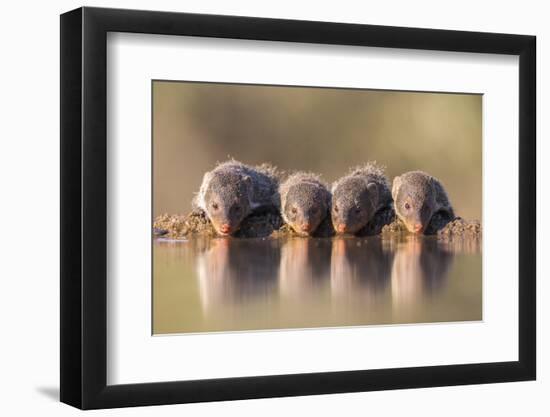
[305, 202]
[420, 268]
[359, 269]
[358, 197]
[420, 201]
[235, 272]
[305, 267]
[232, 191]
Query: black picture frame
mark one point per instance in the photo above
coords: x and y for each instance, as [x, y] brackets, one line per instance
[84, 207]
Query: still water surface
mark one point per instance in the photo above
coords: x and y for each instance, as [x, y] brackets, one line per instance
[223, 284]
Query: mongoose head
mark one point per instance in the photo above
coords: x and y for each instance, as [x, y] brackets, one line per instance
[354, 203]
[305, 206]
[414, 196]
[227, 201]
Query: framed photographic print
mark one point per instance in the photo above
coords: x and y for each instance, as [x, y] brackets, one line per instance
[258, 207]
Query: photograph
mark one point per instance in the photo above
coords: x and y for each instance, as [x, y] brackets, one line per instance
[279, 207]
[260, 205]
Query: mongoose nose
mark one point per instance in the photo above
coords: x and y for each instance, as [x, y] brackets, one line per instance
[306, 227]
[341, 228]
[417, 228]
[225, 228]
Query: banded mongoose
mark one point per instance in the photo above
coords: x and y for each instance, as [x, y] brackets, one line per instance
[361, 197]
[304, 202]
[232, 191]
[421, 202]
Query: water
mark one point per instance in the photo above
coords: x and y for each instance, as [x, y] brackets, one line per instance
[211, 285]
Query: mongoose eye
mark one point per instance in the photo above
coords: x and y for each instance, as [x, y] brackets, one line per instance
[215, 206]
[357, 210]
[293, 210]
[336, 209]
[237, 209]
[407, 206]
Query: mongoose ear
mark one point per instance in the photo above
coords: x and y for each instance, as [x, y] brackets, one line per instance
[395, 187]
[373, 191]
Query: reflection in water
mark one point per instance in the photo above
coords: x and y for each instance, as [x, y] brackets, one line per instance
[468, 246]
[229, 284]
[229, 273]
[305, 267]
[360, 269]
[420, 268]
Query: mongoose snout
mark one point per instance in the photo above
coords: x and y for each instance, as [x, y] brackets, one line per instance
[418, 199]
[232, 191]
[358, 197]
[305, 202]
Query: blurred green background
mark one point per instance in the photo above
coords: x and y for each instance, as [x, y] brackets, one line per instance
[324, 130]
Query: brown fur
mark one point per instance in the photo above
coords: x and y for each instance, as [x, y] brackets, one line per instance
[420, 199]
[305, 202]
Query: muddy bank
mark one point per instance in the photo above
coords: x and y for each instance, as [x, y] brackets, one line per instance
[179, 226]
[458, 227]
